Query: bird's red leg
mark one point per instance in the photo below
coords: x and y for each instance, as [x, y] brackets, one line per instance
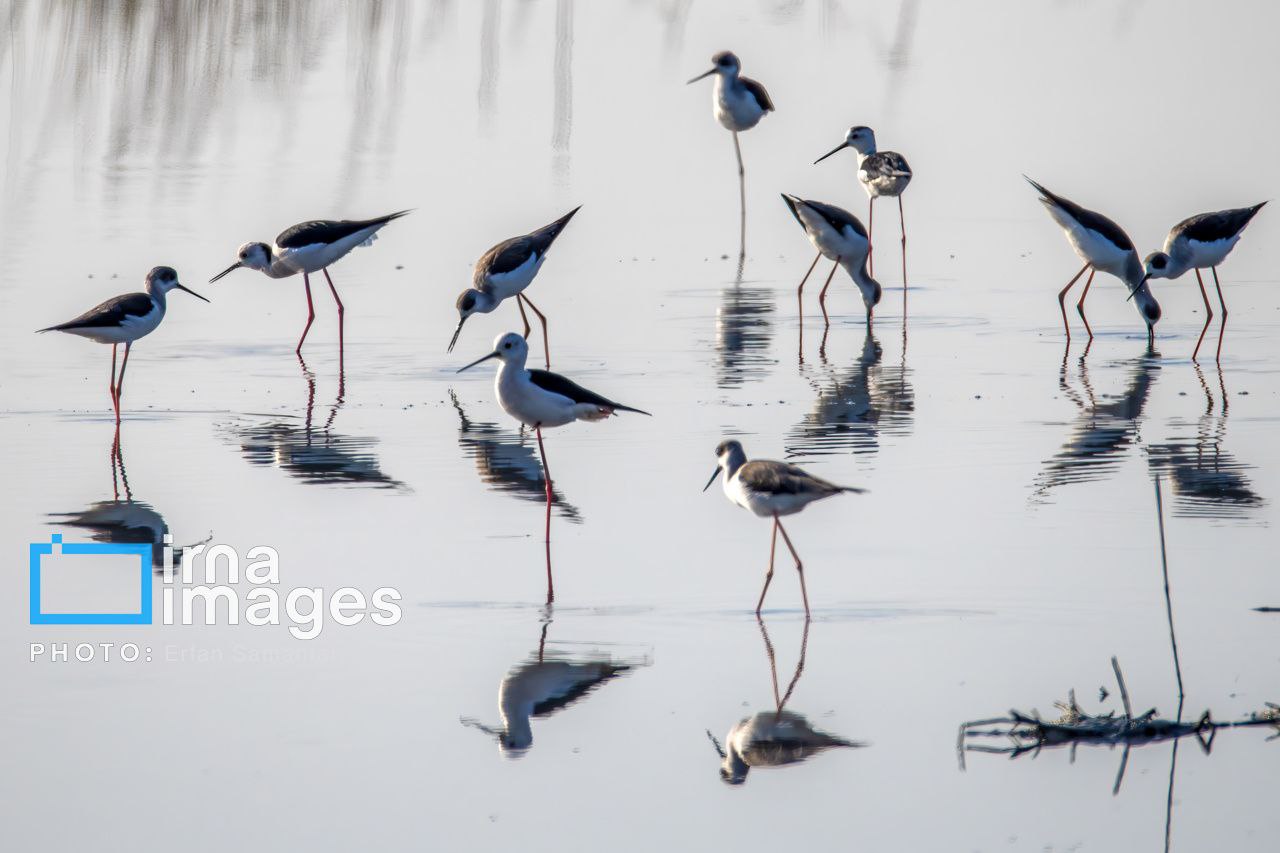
[902, 219]
[1080, 305]
[1223, 329]
[124, 362]
[1208, 311]
[341, 316]
[546, 344]
[768, 576]
[311, 313]
[822, 297]
[546, 479]
[115, 401]
[524, 317]
[800, 300]
[799, 566]
[871, 225]
[1062, 300]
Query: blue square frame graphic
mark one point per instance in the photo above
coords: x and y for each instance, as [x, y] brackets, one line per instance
[142, 551]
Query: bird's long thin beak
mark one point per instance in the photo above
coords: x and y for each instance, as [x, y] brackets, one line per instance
[231, 268]
[456, 332]
[700, 76]
[477, 361]
[1133, 290]
[714, 474]
[189, 290]
[837, 149]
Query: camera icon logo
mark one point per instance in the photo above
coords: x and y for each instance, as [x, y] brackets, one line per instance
[106, 584]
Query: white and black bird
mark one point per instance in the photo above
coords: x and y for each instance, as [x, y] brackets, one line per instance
[738, 104]
[882, 173]
[1104, 246]
[1200, 242]
[307, 248]
[771, 489]
[773, 739]
[123, 319]
[542, 399]
[839, 236]
[504, 272]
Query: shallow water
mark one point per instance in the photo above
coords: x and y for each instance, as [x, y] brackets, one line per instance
[1008, 546]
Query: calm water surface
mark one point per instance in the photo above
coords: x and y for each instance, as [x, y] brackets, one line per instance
[1008, 546]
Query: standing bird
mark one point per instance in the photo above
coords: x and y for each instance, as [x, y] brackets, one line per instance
[882, 173]
[505, 271]
[123, 319]
[738, 103]
[539, 398]
[1202, 241]
[771, 489]
[310, 247]
[1102, 245]
[836, 234]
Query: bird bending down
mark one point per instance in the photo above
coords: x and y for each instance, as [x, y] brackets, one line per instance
[505, 271]
[771, 490]
[738, 104]
[882, 173]
[1202, 241]
[307, 248]
[1102, 245]
[838, 235]
[123, 319]
[540, 398]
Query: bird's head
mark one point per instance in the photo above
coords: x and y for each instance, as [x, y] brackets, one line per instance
[470, 302]
[1156, 265]
[254, 256]
[724, 63]
[729, 457]
[163, 279]
[860, 138]
[510, 348]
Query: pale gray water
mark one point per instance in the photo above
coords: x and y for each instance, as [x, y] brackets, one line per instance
[1008, 544]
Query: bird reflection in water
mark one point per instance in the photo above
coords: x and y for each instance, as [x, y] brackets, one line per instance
[545, 683]
[773, 738]
[1208, 482]
[1103, 430]
[314, 454]
[507, 463]
[121, 521]
[744, 334]
[855, 406]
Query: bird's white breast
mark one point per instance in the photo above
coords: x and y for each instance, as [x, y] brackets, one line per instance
[507, 284]
[316, 256]
[528, 403]
[1209, 254]
[827, 240]
[734, 106]
[132, 328]
[1091, 246]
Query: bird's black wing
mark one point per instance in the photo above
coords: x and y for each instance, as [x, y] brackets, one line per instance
[758, 92]
[328, 230]
[546, 707]
[110, 313]
[557, 384]
[1090, 219]
[1219, 225]
[836, 217]
[511, 254]
[886, 164]
[781, 478]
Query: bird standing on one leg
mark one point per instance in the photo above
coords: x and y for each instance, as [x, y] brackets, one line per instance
[539, 398]
[1202, 241]
[310, 247]
[882, 173]
[1102, 245]
[124, 319]
[771, 490]
[738, 103]
[505, 271]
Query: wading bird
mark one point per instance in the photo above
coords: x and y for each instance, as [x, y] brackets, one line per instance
[540, 398]
[882, 173]
[838, 235]
[771, 490]
[1102, 245]
[123, 319]
[1202, 241]
[310, 247]
[505, 271]
[738, 104]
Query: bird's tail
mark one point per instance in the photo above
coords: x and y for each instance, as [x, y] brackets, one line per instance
[793, 204]
[547, 234]
[1048, 197]
[853, 490]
